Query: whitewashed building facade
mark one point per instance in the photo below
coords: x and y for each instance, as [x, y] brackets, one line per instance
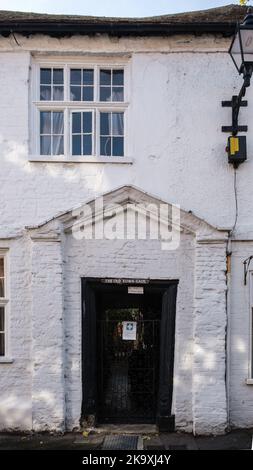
[128, 109]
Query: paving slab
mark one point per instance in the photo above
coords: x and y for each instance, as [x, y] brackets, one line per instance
[235, 440]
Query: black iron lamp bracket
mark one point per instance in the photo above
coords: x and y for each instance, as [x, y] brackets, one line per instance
[236, 103]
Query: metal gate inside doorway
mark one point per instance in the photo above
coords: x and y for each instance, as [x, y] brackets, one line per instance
[128, 336]
[129, 368]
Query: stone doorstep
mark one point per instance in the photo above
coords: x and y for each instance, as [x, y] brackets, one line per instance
[96, 435]
[149, 437]
[140, 429]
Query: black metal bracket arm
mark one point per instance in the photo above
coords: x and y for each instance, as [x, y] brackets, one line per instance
[246, 265]
[236, 103]
[235, 128]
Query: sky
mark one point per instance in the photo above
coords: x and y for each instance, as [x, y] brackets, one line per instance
[111, 7]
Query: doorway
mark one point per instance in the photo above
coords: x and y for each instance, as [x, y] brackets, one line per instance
[128, 351]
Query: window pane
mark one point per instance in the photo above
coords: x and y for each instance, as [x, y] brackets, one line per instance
[87, 123]
[58, 147]
[58, 123]
[75, 93]
[105, 77]
[75, 76]
[87, 145]
[76, 123]
[118, 146]
[45, 76]
[45, 93]
[58, 93]
[1, 319]
[118, 77]
[1, 287]
[76, 145]
[45, 145]
[117, 93]
[88, 77]
[45, 122]
[58, 76]
[88, 93]
[2, 345]
[117, 123]
[1, 267]
[105, 146]
[105, 123]
[105, 93]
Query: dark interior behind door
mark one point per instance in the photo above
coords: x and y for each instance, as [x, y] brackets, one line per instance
[128, 370]
[128, 380]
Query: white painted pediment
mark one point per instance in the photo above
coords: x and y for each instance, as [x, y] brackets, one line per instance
[127, 198]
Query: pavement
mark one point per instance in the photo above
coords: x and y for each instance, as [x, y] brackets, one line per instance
[93, 439]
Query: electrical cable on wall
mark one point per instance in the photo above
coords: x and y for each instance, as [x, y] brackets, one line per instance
[229, 252]
[236, 202]
[15, 39]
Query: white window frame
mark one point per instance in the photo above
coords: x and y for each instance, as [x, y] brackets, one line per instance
[93, 153]
[68, 107]
[51, 135]
[109, 110]
[4, 302]
[69, 84]
[51, 84]
[109, 86]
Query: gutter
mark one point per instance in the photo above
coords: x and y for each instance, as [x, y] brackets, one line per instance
[135, 28]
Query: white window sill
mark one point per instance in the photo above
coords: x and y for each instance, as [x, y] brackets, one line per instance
[249, 381]
[81, 104]
[6, 360]
[77, 159]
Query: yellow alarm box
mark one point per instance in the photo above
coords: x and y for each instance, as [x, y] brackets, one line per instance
[237, 149]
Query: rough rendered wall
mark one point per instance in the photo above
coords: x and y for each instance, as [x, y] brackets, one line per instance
[174, 138]
[174, 135]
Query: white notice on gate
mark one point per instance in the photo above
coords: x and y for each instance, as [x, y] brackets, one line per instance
[129, 330]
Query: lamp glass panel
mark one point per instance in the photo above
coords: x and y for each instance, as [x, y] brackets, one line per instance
[235, 51]
[247, 41]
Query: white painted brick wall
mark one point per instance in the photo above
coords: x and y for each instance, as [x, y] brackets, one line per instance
[131, 259]
[15, 378]
[47, 355]
[240, 330]
[210, 322]
[178, 151]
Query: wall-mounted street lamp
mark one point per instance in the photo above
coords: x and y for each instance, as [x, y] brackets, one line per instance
[241, 51]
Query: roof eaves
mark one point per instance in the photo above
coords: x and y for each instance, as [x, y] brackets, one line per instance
[115, 29]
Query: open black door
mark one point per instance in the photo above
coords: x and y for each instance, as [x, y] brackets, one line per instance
[165, 419]
[89, 369]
